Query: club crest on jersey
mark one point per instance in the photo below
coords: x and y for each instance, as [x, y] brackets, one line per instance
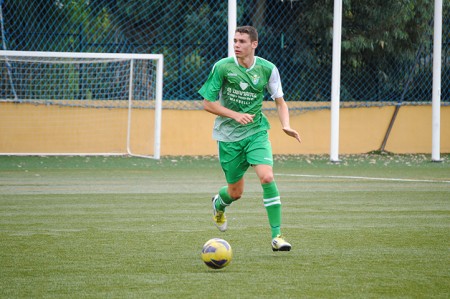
[243, 85]
[255, 79]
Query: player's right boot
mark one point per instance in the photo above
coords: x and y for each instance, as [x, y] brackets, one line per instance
[280, 244]
[219, 216]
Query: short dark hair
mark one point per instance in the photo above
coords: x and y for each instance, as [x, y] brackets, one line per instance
[250, 30]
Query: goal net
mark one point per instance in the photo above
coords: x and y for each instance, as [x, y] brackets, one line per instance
[61, 103]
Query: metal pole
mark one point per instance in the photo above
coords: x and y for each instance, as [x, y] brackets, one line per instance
[437, 62]
[336, 81]
[158, 107]
[232, 17]
[130, 103]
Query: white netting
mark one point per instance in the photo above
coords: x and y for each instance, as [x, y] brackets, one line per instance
[68, 79]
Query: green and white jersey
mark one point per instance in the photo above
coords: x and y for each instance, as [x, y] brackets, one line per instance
[242, 90]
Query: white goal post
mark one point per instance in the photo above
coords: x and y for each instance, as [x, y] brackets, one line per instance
[67, 103]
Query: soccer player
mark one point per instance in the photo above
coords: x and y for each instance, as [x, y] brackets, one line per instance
[234, 91]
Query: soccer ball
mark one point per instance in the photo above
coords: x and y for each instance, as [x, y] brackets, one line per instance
[217, 253]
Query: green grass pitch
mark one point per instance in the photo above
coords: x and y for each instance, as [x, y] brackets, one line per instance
[372, 226]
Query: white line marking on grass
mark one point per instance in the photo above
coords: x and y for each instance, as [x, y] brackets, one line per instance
[361, 178]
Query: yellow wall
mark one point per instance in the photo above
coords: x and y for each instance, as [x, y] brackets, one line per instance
[29, 128]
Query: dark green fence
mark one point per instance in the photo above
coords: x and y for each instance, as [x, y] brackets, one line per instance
[386, 45]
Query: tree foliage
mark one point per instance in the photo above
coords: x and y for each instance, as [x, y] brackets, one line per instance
[373, 32]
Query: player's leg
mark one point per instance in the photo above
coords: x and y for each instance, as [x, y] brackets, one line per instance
[260, 156]
[234, 166]
[272, 203]
[271, 197]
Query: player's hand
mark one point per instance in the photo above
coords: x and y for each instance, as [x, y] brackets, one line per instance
[244, 118]
[292, 133]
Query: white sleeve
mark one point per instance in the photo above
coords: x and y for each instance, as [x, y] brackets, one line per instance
[274, 85]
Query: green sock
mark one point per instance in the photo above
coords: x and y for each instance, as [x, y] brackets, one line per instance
[224, 199]
[272, 204]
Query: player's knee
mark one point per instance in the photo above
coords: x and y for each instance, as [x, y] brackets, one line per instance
[266, 178]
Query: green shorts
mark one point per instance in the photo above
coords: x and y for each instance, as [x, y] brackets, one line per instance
[236, 157]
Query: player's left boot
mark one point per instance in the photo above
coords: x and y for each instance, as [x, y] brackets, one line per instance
[280, 244]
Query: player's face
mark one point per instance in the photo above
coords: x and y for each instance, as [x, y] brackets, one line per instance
[243, 47]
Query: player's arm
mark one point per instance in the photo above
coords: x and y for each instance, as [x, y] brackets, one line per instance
[217, 109]
[283, 115]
